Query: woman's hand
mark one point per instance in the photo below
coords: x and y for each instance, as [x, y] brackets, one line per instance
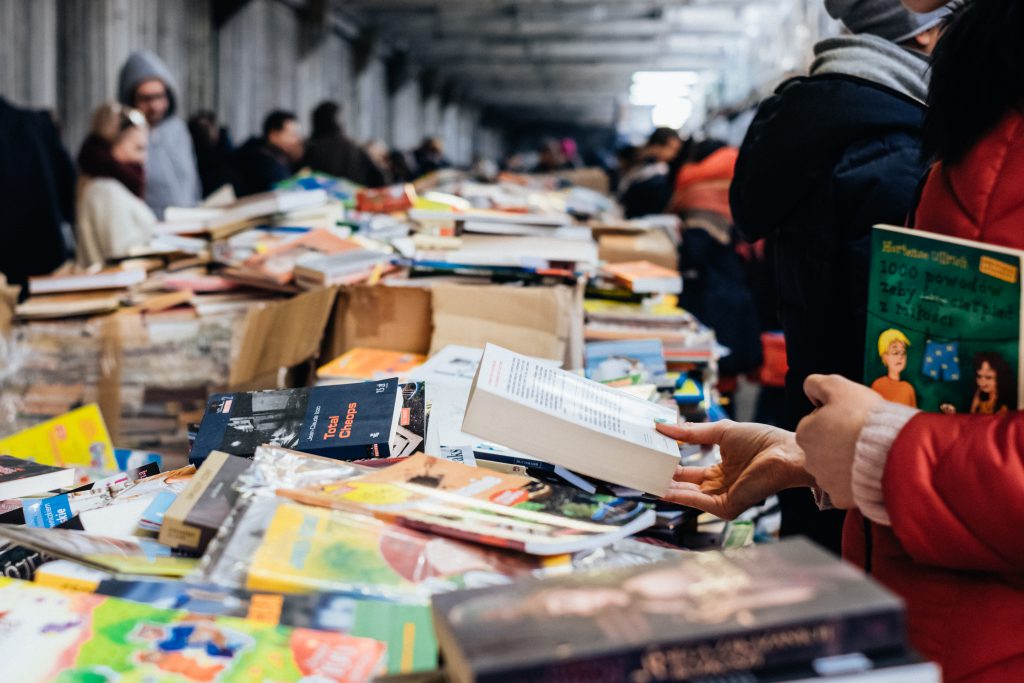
[828, 436]
[757, 461]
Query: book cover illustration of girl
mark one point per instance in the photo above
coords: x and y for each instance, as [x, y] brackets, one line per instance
[995, 386]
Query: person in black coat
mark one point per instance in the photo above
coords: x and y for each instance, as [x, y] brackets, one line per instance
[264, 161]
[214, 151]
[37, 190]
[330, 151]
[825, 159]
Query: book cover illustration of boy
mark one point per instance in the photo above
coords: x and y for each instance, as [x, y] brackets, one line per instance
[892, 349]
[196, 649]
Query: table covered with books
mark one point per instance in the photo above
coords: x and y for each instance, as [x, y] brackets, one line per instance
[338, 434]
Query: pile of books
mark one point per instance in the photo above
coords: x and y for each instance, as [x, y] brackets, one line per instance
[278, 562]
[426, 492]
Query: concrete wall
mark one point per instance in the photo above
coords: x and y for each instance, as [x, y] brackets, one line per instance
[65, 55]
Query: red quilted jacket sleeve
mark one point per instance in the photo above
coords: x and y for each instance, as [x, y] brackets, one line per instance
[954, 490]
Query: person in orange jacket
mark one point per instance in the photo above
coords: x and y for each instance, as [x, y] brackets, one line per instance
[936, 501]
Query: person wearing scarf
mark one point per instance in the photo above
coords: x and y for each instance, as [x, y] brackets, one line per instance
[112, 218]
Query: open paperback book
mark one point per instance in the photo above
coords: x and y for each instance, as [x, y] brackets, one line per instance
[503, 510]
[565, 419]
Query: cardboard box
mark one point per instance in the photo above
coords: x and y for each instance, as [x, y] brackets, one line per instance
[540, 321]
[545, 322]
[280, 335]
[654, 246]
[379, 317]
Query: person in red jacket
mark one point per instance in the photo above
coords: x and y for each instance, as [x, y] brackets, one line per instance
[937, 501]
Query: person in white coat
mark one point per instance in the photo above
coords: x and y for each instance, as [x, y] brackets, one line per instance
[111, 216]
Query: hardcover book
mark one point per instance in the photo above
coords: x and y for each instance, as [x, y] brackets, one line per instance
[345, 421]
[484, 506]
[944, 323]
[705, 615]
[52, 635]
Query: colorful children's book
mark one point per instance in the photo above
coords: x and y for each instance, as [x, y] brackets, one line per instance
[307, 549]
[344, 421]
[405, 628]
[52, 635]
[484, 506]
[944, 323]
[363, 363]
[75, 439]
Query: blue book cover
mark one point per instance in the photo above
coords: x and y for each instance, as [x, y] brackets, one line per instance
[611, 360]
[344, 421]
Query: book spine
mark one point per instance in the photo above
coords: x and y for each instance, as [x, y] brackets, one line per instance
[754, 652]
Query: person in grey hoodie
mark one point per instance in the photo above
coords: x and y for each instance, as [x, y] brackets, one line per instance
[827, 157]
[172, 179]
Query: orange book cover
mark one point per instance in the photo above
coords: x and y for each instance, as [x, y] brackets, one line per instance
[278, 262]
[363, 363]
[634, 270]
[390, 199]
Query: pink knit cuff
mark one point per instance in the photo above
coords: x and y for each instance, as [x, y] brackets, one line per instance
[872, 451]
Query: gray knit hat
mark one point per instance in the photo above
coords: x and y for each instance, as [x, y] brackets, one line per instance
[887, 19]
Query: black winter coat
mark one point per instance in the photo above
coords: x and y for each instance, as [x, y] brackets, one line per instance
[258, 166]
[37, 189]
[826, 158]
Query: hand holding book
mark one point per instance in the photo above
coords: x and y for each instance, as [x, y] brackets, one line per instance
[758, 461]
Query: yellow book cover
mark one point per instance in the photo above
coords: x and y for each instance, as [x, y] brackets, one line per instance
[309, 549]
[363, 363]
[75, 439]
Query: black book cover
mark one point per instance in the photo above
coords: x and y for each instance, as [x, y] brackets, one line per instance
[706, 614]
[343, 421]
[13, 469]
[19, 562]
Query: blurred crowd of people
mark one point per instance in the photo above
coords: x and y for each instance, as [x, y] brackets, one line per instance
[140, 157]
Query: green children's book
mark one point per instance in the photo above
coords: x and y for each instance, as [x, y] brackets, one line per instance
[944, 322]
[71, 637]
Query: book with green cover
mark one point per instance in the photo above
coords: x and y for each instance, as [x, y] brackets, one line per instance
[944, 322]
[71, 637]
[405, 628]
